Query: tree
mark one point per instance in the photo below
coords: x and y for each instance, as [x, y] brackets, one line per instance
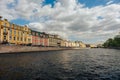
[113, 42]
[108, 43]
[117, 41]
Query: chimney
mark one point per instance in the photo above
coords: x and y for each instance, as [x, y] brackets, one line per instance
[5, 19]
[0, 17]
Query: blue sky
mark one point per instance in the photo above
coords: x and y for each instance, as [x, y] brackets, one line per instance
[47, 2]
[85, 20]
[93, 3]
[88, 3]
[20, 21]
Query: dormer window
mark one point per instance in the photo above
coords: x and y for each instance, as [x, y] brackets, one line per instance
[10, 25]
[5, 19]
[5, 24]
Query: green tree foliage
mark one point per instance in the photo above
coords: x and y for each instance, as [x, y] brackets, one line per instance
[113, 42]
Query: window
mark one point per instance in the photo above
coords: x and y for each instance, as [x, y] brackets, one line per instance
[10, 31]
[4, 37]
[4, 29]
[14, 38]
[14, 32]
[25, 39]
[36, 34]
[10, 37]
[22, 33]
[33, 33]
[29, 40]
[18, 33]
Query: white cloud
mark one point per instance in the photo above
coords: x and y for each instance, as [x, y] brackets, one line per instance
[69, 19]
[36, 26]
[110, 2]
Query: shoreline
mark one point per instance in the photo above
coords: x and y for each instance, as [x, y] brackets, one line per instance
[112, 48]
[8, 49]
[32, 51]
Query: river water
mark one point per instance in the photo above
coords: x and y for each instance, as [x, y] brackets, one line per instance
[84, 64]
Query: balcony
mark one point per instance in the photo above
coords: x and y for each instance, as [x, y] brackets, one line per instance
[5, 41]
[4, 26]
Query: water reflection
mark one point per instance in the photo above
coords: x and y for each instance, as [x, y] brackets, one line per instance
[86, 64]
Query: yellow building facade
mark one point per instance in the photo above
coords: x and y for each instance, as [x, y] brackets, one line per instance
[14, 34]
[82, 45]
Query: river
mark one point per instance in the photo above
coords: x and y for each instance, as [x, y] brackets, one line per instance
[84, 64]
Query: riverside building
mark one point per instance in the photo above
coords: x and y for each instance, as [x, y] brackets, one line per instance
[39, 39]
[21, 35]
[14, 34]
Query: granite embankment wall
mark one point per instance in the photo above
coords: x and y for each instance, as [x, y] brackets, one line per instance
[19, 49]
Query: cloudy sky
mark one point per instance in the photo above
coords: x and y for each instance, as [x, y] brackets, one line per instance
[85, 20]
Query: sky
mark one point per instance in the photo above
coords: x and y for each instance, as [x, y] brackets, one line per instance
[90, 21]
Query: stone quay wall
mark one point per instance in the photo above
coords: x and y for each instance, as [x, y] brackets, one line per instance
[19, 49]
